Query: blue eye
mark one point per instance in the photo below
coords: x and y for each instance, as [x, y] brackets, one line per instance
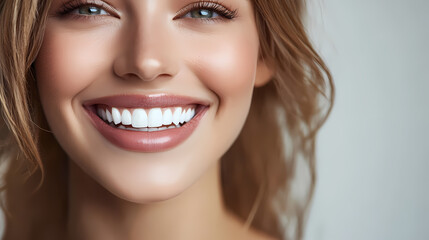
[202, 13]
[86, 9]
[202, 10]
[89, 10]
[207, 11]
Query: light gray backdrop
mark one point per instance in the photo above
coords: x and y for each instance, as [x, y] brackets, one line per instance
[373, 152]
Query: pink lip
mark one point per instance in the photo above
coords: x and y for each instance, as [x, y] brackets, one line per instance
[146, 101]
[146, 141]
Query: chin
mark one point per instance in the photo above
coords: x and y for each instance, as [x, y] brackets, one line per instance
[153, 177]
[145, 195]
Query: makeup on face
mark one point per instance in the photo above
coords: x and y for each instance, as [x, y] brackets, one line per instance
[147, 95]
[146, 123]
[212, 10]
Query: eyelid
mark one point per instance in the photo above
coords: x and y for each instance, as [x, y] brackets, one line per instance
[72, 5]
[212, 5]
[76, 11]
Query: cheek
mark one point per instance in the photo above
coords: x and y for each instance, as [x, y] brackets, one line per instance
[66, 63]
[227, 65]
[65, 67]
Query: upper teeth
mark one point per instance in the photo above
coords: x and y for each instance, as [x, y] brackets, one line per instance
[141, 118]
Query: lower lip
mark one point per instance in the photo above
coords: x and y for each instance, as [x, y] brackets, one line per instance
[146, 141]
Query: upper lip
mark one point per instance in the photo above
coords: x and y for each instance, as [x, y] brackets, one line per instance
[146, 101]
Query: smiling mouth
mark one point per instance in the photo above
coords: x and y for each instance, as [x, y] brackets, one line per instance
[146, 120]
[146, 123]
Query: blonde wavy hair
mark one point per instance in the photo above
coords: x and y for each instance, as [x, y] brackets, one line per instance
[258, 171]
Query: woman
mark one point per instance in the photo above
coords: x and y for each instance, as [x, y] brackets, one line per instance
[149, 119]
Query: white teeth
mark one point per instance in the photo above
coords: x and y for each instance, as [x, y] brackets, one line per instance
[188, 115]
[116, 115]
[176, 115]
[151, 119]
[137, 129]
[109, 116]
[183, 116]
[146, 129]
[139, 118]
[167, 117]
[126, 117]
[155, 117]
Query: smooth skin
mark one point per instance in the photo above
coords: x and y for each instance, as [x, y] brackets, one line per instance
[141, 47]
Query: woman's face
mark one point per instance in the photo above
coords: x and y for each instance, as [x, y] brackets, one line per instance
[147, 95]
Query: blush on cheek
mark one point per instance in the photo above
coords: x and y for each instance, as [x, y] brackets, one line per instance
[67, 63]
[229, 68]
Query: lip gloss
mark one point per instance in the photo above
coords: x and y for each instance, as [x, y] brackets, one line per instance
[142, 141]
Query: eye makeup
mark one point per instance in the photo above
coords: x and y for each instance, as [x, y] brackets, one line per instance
[211, 10]
[214, 6]
[69, 7]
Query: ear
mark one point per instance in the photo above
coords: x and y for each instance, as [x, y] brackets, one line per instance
[263, 73]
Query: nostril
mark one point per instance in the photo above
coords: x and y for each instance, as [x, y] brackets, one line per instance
[145, 65]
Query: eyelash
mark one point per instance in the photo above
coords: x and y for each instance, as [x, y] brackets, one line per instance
[211, 5]
[70, 6]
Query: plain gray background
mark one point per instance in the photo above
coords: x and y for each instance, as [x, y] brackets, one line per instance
[373, 152]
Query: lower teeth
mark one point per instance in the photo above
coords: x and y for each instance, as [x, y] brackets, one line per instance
[146, 129]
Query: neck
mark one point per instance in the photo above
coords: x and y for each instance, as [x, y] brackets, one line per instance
[95, 213]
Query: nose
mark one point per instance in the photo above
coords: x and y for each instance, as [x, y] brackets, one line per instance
[146, 52]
